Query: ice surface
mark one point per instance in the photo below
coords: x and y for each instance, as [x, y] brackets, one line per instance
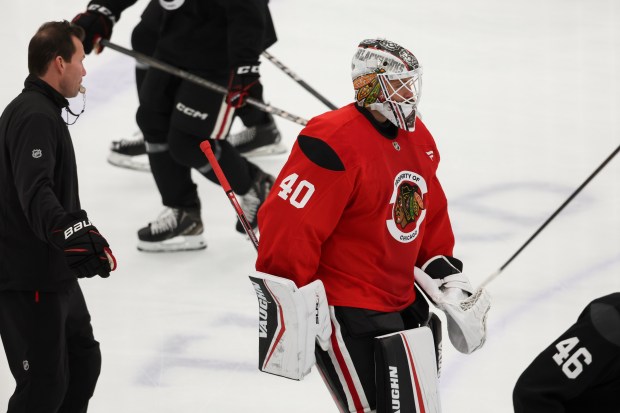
[523, 100]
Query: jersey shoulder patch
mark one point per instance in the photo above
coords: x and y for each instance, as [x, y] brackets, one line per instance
[320, 153]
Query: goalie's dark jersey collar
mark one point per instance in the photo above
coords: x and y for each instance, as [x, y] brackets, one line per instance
[386, 129]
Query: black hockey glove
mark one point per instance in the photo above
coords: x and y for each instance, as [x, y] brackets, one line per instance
[243, 83]
[87, 252]
[97, 22]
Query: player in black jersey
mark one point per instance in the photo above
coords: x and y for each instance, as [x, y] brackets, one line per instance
[580, 370]
[220, 40]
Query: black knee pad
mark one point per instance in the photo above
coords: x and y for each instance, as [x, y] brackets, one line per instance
[185, 149]
[154, 126]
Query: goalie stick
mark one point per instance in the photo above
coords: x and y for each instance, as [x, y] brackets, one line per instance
[205, 146]
[557, 211]
[157, 64]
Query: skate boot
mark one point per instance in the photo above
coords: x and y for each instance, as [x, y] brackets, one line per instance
[259, 140]
[175, 229]
[130, 153]
[255, 197]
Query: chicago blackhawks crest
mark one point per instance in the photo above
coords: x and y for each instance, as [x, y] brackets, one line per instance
[407, 206]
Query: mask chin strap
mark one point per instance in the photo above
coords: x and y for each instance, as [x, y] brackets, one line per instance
[410, 120]
[396, 114]
[77, 115]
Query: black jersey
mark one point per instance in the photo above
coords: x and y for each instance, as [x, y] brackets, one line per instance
[580, 371]
[208, 36]
[39, 185]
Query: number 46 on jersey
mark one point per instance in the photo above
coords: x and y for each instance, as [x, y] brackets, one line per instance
[571, 361]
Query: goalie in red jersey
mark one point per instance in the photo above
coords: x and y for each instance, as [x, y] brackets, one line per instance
[355, 210]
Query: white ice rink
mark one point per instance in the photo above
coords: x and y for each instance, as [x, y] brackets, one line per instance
[523, 99]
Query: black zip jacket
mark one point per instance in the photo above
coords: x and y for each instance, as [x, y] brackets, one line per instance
[38, 189]
[208, 36]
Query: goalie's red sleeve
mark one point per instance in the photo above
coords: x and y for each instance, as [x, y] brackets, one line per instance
[357, 210]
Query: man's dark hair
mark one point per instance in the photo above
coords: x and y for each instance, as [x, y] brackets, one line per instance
[51, 40]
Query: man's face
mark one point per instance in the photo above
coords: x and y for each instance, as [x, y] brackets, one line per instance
[71, 78]
[401, 90]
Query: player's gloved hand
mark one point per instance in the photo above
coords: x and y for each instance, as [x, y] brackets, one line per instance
[450, 290]
[243, 83]
[97, 22]
[87, 252]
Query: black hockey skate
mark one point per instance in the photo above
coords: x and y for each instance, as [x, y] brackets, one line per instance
[175, 229]
[259, 140]
[255, 197]
[130, 153]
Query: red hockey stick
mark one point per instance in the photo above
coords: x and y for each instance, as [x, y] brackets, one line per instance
[206, 148]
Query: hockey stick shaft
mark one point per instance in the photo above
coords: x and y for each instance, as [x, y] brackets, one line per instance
[297, 79]
[205, 146]
[165, 67]
[557, 211]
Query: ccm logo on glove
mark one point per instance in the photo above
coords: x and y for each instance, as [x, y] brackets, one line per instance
[243, 70]
[103, 10]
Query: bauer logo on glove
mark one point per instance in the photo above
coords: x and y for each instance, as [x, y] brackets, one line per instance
[87, 252]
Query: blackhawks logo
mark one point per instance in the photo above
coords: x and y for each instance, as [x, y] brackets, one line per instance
[407, 206]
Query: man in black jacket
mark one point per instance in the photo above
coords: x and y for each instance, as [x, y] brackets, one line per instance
[220, 40]
[46, 239]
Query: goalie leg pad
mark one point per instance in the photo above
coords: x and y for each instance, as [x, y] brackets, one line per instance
[406, 372]
[291, 321]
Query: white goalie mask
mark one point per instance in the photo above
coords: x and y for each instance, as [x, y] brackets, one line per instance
[387, 78]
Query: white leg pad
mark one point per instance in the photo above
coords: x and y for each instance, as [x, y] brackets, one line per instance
[291, 321]
[406, 372]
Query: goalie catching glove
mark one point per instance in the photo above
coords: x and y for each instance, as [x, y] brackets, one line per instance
[291, 321]
[87, 252]
[466, 310]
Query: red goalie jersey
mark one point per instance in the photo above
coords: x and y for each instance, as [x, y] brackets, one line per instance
[356, 206]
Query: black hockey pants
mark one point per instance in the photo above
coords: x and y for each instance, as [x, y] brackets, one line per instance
[175, 115]
[51, 351]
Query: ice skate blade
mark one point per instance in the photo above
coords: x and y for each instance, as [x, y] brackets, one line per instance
[137, 163]
[273, 149]
[179, 243]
